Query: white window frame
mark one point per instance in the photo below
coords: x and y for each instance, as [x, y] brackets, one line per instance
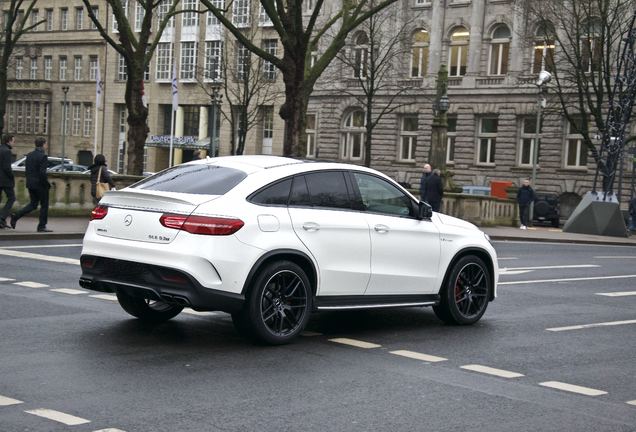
[95, 10]
[125, 7]
[36, 117]
[422, 50]
[11, 116]
[28, 125]
[140, 13]
[496, 53]
[122, 68]
[349, 134]
[88, 119]
[64, 130]
[77, 68]
[63, 68]
[408, 139]
[573, 137]
[528, 138]
[35, 15]
[420, 3]
[63, 19]
[77, 119]
[310, 133]
[190, 19]
[451, 140]
[49, 20]
[360, 58]
[48, 68]
[489, 139]
[263, 19]
[33, 71]
[163, 67]
[242, 61]
[188, 63]
[18, 117]
[79, 18]
[460, 45]
[269, 70]
[162, 11]
[212, 20]
[213, 58]
[93, 62]
[267, 118]
[45, 117]
[19, 68]
[241, 13]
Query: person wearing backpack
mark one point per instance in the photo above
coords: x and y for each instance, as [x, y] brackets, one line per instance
[100, 174]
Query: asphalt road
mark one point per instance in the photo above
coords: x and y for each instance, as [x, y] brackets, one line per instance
[68, 353]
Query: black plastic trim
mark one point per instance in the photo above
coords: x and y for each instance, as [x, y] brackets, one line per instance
[371, 301]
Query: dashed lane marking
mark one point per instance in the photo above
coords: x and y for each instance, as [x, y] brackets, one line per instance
[6, 279]
[43, 246]
[505, 272]
[30, 284]
[573, 388]
[355, 343]
[566, 280]
[70, 291]
[616, 257]
[110, 430]
[553, 267]
[419, 356]
[632, 402]
[506, 258]
[40, 257]
[618, 294]
[58, 416]
[491, 371]
[104, 297]
[585, 326]
[6, 401]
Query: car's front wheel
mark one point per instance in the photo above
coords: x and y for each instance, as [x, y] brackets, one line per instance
[464, 298]
[148, 310]
[278, 304]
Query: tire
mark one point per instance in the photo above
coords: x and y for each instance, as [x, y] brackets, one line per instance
[146, 310]
[465, 296]
[278, 304]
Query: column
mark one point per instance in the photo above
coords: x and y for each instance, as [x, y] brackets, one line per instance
[203, 126]
[178, 132]
[436, 36]
[516, 44]
[476, 34]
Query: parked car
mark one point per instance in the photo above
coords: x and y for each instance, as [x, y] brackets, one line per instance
[19, 164]
[68, 167]
[546, 209]
[271, 239]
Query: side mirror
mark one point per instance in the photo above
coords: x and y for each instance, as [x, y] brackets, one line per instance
[424, 210]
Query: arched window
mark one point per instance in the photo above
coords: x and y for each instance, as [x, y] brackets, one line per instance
[458, 53]
[499, 50]
[360, 55]
[419, 53]
[544, 46]
[591, 45]
[352, 137]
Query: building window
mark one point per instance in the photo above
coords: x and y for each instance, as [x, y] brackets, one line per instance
[79, 18]
[19, 68]
[422, 3]
[45, 119]
[309, 6]
[213, 50]
[190, 19]
[267, 113]
[63, 68]
[162, 11]
[63, 19]
[33, 72]
[11, 114]
[241, 13]
[88, 120]
[191, 115]
[35, 15]
[124, 6]
[353, 135]
[93, 64]
[591, 45]
[527, 142]
[95, 10]
[419, 53]
[310, 133]
[451, 136]
[28, 125]
[263, 19]
[188, 60]
[544, 48]
[487, 140]
[122, 68]
[18, 116]
[49, 20]
[499, 51]
[77, 119]
[77, 69]
[36, 117]
[575, 148]
[408, 138]
[360, 55]
[243, 58]
[140, 13]
[211, 20]
[48, 67]
[269, 70]
[164, 61]
[64, 123]
[458, 52]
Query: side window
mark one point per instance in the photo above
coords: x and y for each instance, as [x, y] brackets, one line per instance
[321, 189]
[276, 194]
[299, 192]
[380, 196]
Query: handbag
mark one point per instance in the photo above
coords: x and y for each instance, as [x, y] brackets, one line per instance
[100, 188]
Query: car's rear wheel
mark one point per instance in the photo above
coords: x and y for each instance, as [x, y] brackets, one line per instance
[148, 310]
[278, 304]
[465, 297]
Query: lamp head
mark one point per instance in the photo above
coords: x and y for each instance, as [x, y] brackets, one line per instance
[544, 78]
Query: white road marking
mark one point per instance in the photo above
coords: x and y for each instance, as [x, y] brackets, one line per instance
[43, 246]
[616, 257]
[355, 343]
[505, 272]
[34, 256]
[419, 356]
[110, 430]
[30, 284]
[70, 291]
[566, 280]
[6, 279]
[6, 401]
[104, 297]
[197, 313]
[552, 267]
[491, 371]
[573, 388]
[308, 333]
[60, 417]
[633, 402]
[618, 294]
[584, 326]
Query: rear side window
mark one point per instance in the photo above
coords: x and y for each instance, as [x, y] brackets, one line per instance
[276, 194]
[194, 179]
[328, 190]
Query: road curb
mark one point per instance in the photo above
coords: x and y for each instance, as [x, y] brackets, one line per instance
[42, 236]
[549, 240]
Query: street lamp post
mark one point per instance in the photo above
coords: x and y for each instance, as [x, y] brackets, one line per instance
[64, 126]
[544, 78]
[439, 128]
[215, 103]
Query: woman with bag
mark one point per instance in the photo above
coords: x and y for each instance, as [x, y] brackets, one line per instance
[100, 178]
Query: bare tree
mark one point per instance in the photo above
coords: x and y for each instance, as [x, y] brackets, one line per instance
[14, 26]
[301, 34]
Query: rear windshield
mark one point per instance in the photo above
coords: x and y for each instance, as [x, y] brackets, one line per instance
[194, 179]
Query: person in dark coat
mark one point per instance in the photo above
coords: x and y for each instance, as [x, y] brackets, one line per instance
[99, 164]
[425, 175]
[525, 195]
[632, 214]
[435, 190]
[38, 185]
[7, 182]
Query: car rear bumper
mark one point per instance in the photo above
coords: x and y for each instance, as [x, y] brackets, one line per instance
[155, 283]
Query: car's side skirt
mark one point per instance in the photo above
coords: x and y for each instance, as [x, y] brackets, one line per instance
[374, 301]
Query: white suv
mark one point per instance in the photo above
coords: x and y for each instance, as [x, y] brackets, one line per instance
[271, 239]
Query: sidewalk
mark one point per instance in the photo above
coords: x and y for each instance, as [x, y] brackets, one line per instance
[74, 227]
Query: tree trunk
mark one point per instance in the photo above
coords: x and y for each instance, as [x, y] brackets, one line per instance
[3, 95]
[137, 122]
[294, 109]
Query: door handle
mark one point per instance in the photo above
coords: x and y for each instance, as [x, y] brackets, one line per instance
[311, 226]
[381, 229]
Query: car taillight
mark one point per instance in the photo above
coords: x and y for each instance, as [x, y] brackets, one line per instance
[201, 224]
[99, 212]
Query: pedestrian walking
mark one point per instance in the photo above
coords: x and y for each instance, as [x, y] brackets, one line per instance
[38, 185]
[7, 182]
[525, 195]
[632, 214]
[425, 176]
[100, 174]
[435, 190]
